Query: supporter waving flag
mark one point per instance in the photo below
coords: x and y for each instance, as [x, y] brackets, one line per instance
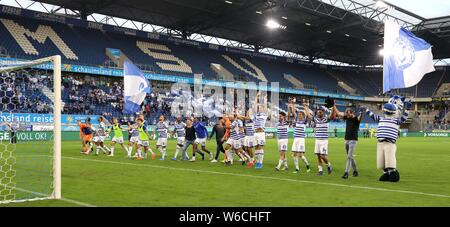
[136, 86]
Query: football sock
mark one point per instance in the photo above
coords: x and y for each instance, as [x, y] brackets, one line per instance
[262, 156]
[164, 152]
[296, 162]
[107, 148]
[112, 150]
[320, 168]
[305, 160]
[176, 151]
[280, 162]
[130, 150]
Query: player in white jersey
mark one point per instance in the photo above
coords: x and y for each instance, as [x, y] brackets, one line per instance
[259, 121]
[234, 141]
[321, 143]
[249, 140]
[282, 135]
[99, 138]
[179, 129]
[162, 128]
[298, 122]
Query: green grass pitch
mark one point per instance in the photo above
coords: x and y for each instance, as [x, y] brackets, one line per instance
[424, 165]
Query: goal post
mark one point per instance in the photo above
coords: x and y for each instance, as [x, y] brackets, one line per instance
[30, 129]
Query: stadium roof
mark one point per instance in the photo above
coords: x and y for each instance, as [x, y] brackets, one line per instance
[347, 31]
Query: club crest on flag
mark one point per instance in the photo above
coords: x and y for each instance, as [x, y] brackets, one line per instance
[406, 59]
[136, 86]
[405, 52]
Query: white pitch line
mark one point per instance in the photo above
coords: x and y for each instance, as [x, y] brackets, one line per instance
[264, 177]
[47, 196]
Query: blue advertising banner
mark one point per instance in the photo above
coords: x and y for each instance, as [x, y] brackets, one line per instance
[66, 119]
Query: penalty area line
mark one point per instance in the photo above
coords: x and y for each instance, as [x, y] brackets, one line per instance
[263, 177]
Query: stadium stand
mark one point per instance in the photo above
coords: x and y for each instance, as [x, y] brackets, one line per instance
[33, 38]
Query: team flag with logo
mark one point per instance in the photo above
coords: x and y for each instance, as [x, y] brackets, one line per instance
[407, 58]
[136, 87]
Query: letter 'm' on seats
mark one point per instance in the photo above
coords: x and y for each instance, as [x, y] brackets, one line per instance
[258, 75]
[149, 48]
[41, 34]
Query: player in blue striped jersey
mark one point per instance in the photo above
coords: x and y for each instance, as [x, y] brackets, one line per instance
[234, 141]
[320, 122]
[282, 134]
[298, 122]
[259, 119]
[387, 135]
[179, 129]
[249, 139]
[162, 128]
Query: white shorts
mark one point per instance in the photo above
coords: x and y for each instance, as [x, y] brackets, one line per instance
[134, 139]
[249, 141]
[181, 140]
[282, 144]
[235, 144]
[386, 155]
[298, 145]
[260, 138]
[321, 147]
[144, 143]
[98, 139]
[201, 141]
[161, 142]
[117, 140]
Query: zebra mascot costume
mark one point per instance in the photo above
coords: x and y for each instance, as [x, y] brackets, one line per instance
[396, 111]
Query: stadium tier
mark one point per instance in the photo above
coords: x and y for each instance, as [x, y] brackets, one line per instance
[29, 39]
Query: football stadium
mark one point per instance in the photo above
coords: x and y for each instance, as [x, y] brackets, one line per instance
[224, 103]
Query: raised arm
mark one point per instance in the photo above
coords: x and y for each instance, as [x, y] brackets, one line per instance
[405, 115]
[360, 116]
[336, 112]
[307, 111]
[372, 115]
[255, 104]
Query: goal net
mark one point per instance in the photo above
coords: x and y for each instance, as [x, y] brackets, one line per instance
[30, 129]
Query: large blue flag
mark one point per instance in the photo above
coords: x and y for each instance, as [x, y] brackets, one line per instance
[407, 58]
[136, 87]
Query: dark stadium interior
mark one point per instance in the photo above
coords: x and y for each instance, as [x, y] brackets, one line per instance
[306, 33]
[238, 21]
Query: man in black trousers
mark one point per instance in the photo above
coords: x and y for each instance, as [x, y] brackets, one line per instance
[218, 129]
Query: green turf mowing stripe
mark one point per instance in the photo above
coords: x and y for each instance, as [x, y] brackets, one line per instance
[263, 177]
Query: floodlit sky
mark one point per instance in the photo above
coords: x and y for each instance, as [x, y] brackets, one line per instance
[424, 8]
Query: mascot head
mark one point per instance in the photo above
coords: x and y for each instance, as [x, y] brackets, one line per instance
[390, 110]
[397, 102]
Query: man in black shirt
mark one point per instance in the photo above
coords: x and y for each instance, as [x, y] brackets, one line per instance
[190, 140]
[351, 137]
[219, 130]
